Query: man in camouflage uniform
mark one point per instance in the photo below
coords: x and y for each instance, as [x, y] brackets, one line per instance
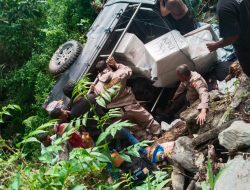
[113, 73]
[196, 88]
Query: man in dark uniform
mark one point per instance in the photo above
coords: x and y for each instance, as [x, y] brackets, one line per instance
[234, 24]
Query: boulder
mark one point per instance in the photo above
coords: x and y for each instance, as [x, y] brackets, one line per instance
[177, 179]
[235, 176]
[236, 136]
[185, 155]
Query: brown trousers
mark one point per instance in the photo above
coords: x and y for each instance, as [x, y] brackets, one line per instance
[146, 127]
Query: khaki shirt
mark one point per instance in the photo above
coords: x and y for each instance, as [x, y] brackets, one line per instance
[196, 89]
[107, 78]
[177, 8]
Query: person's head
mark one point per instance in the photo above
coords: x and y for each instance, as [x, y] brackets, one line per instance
[112, 63]
[68, 88]
[183, 72]
[101, 65]
[61, 114]
[45, 139]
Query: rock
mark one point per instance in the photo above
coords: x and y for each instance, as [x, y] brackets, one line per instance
[215, 95]
[239, 95]
[246, 108]
[177, 179]
[185, 155]
[191, 185]
[236, 175]
[190, 113]
[236, 136]
[166, 188]
[198, 186]
[217, 108]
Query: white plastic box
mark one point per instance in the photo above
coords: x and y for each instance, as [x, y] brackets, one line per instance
[168, 51]
[199, 53]
[132, 52]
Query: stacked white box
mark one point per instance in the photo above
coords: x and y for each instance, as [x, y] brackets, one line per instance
[132, 52]
[168, 51]
[199, 53]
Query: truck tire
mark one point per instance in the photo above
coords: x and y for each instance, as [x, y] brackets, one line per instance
[64, 56]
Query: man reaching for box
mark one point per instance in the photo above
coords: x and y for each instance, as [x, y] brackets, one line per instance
[111, 73]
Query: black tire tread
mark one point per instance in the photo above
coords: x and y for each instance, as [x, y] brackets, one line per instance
[70, 61]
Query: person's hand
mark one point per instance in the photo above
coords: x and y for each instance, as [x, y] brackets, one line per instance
[212, 46]
[201, 118]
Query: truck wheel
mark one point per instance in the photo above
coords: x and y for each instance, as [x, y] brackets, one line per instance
[64, 56]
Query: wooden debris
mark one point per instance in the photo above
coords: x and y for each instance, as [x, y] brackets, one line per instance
[211, 134]
[176, 131]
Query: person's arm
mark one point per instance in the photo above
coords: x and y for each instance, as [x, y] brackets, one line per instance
[126, 72]
[229, 27]
[163, 9]
[181, 89]
[201, 88]
[213, 46]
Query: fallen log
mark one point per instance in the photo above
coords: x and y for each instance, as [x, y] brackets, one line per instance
[211, 134]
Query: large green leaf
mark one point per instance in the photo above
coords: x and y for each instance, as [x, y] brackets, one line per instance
[31, 139]
[79, 187]
[210, 174]
[36, 132]
[15, 183]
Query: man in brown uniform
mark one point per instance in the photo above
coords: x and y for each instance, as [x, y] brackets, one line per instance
[113, 73]
[196, 88]
[183, 17]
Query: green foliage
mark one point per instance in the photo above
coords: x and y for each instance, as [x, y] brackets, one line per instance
[112, 129]
[212, 178]
[133, 150]
[155, 181]
[82, 87]
[6, 111]
[106, 96]
[15, 183]
[47, 172]
[210, 174]
[30, 32]
[20, 24]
